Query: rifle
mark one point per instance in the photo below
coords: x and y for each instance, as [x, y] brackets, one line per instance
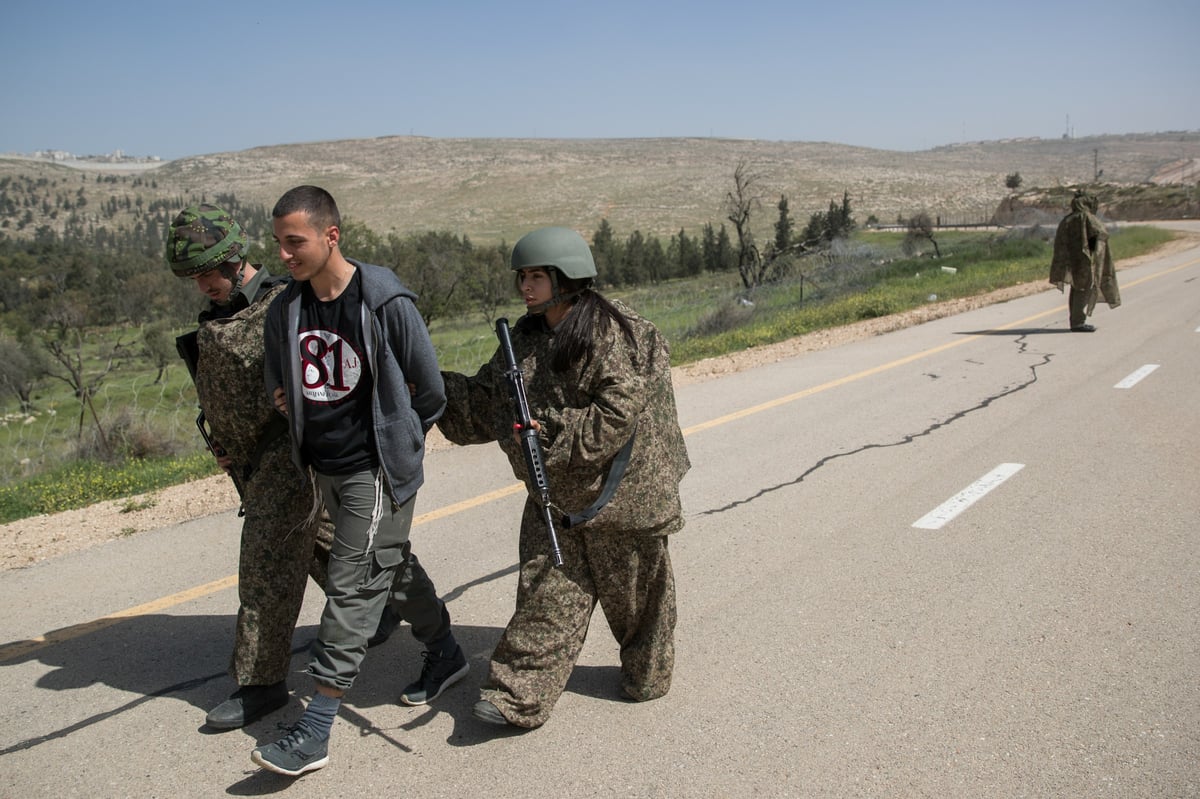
[189, 350]
[530, 445]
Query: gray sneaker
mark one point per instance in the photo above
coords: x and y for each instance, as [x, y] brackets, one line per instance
[294, 754]
[486, 711]
[437, 675]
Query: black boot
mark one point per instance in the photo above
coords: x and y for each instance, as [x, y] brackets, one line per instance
[247, 704]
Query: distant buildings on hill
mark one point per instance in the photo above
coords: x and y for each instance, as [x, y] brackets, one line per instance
[116, 157]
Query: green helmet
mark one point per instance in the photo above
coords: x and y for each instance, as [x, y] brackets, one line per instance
[560, 247]
[203, 237]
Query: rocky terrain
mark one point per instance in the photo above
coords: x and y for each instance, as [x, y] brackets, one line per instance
[496, 189]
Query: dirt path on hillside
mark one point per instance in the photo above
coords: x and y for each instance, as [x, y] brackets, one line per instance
[25, 542]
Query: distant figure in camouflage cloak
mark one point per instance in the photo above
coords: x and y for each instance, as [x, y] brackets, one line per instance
[597, 375]
[281, 545]
[1081, 259]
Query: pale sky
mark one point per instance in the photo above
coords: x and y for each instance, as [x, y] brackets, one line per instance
[174, 79]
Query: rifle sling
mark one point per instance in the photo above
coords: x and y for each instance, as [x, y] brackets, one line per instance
[615, 472]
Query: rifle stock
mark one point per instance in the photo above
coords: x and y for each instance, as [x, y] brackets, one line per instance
[218, 451]
[530, 445]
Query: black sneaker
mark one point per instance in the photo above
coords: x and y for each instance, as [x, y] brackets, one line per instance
[247, 704]
[294, 754]
[438, 674]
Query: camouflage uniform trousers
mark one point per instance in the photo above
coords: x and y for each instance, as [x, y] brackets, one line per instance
[628, 574]
[280, 550]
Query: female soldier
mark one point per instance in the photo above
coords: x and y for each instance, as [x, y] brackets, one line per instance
[597, 378]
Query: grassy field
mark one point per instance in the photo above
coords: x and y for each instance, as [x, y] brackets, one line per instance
[56, 455]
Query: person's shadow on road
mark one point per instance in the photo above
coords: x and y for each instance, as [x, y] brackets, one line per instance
[186, 657]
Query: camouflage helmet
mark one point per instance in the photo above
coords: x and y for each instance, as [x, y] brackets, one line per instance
[560, 247]
[203, 237]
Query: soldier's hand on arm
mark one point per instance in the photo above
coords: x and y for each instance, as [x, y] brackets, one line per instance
[223, 460]
[280, 401]
[534, 423]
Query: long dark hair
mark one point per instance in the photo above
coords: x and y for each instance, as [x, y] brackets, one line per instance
[575, 338]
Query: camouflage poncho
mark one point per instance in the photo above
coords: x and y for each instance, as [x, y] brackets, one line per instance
[229, 382]
[284, 540]
[587, 414]
[1081, 256]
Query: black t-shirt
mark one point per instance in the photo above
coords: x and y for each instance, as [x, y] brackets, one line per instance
[337, 383]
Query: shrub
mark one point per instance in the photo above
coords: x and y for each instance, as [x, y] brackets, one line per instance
[728, 316]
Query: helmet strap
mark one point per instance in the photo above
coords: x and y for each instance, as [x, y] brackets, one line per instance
[557, 296]
[235, 275]
[557, 299]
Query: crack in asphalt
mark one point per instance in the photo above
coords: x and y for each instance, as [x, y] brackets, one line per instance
[1022, 348]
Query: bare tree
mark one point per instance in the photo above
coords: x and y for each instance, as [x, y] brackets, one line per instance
[920, 226]
[740, 205]
[64, 337]
[779, 256]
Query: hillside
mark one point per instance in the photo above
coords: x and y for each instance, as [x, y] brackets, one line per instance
[493, 189]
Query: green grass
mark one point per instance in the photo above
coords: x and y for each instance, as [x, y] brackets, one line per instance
[982, 264]
[82, 483]
[150, 426]
[138, 417]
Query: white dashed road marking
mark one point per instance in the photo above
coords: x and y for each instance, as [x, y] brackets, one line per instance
[967, 497]
[1134, 378]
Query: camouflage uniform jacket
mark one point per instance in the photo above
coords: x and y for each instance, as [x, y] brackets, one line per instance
[587, 414]
[229, 376]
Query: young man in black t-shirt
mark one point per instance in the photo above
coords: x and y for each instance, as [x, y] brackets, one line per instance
[350, 363]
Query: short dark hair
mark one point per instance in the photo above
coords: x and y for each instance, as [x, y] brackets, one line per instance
[314, 201]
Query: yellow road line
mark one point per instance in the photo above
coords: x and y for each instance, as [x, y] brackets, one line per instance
[21, 648]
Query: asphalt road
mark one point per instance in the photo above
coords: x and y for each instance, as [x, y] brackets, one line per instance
[958, 560]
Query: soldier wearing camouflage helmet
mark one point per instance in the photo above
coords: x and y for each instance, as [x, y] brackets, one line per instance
[285, 539]
[598, 382]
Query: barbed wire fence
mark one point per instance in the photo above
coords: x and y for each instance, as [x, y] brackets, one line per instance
[143, 417]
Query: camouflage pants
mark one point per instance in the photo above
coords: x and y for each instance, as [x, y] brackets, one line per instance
[279, 552]
[1080, 303]
[629, 575]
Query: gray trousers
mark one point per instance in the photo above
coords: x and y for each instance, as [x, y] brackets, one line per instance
[371, 565]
